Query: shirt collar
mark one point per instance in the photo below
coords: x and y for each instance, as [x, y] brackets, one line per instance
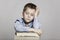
[30, 24]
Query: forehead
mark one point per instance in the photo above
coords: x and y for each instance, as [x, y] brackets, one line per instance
[30, 10]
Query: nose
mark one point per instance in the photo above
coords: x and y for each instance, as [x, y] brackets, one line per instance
[28, 16]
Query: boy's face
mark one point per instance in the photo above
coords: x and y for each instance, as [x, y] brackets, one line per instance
[28, 14]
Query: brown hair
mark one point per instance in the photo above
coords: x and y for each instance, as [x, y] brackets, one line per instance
[30, 5]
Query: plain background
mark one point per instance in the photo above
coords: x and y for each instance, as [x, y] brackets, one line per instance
[49, 17]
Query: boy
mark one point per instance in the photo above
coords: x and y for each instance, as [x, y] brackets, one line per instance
[29, 21]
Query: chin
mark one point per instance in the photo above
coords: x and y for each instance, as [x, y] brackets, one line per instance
[27, 21]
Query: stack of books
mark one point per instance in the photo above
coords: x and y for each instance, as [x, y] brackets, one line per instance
[27, 34]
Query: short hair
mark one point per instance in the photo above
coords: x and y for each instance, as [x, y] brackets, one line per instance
[30, 5]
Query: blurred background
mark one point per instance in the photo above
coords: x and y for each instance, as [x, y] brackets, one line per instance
[49, 17]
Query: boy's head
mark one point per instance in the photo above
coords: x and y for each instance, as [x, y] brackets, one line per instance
[29, 12]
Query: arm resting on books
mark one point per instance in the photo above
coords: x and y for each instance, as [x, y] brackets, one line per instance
[19, 27]
[38, 31]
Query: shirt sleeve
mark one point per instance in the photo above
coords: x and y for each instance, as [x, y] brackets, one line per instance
[20, 27]
[36, 23]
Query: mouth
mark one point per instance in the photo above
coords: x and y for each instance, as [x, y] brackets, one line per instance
[28, 19]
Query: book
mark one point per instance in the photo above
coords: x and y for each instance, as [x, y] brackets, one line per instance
[27, 34]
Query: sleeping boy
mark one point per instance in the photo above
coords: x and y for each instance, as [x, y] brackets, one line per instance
[29, 21]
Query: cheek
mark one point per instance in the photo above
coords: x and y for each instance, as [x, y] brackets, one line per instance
[31, 18]
[24, 15]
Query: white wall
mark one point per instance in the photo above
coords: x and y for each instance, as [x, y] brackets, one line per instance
[49, 17]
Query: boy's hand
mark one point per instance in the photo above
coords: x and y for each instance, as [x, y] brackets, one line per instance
[31, 29]
[38, 31]
[37, 12]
